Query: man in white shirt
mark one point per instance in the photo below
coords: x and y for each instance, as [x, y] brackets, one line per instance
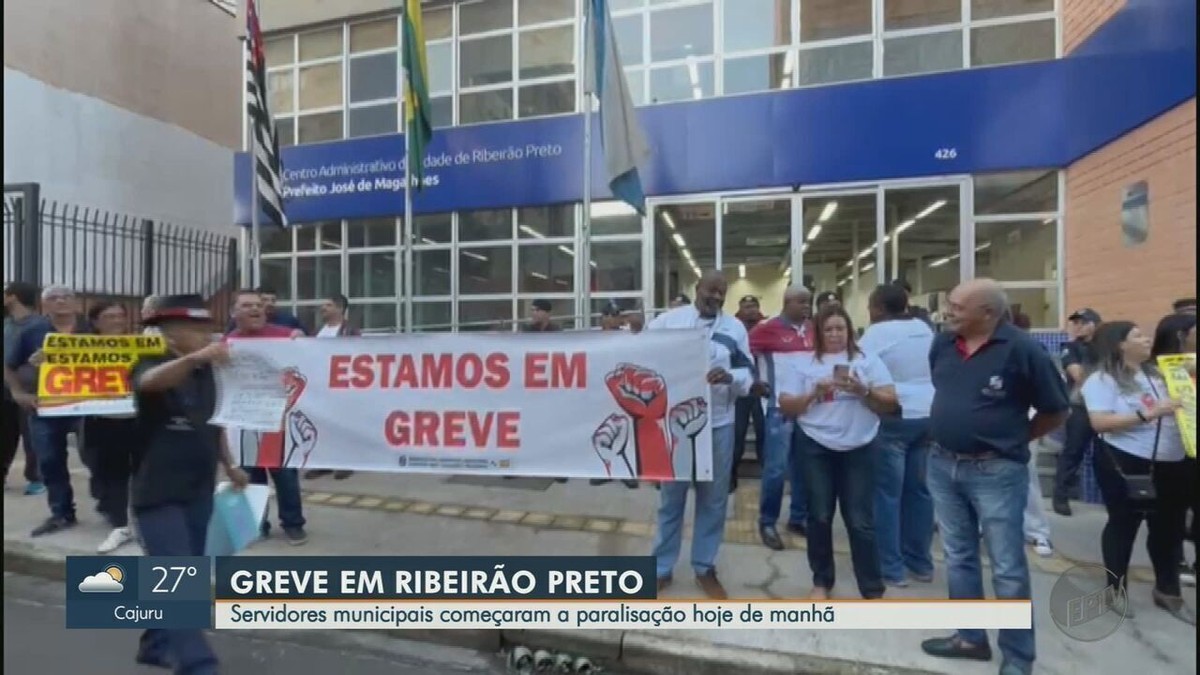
[730, 376]
[334, 324]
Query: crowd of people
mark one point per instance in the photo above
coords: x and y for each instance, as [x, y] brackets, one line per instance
[905, 427]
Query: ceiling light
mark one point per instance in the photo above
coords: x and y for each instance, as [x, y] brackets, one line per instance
[814, 232]
[931, 208]
[904, 226]
[566, 250]
[1048, 221]
[679, 240]
[531, 232]
[788, 271]
[939, 262]
[843, 282]
[868, 267]
[668, 219]
[983, 246]
[828, 212]
[741, 271]
[538, 275]
[476, 256]
[592, 263]
[804, 248]
[427, 240]
[696, 271]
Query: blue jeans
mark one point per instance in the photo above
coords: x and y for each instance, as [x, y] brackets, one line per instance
[49, 437]
[968, 493]
[287, 495]
[711, 501]
[781, 461]
[903, 507]
[177, 529]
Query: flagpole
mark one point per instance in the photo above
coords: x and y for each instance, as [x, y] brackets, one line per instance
[584, 254]
[407, 238]
[255, 235]
[244, 256]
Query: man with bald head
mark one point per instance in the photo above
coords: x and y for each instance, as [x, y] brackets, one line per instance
[729, 376]
[987, 375]
[780, 344]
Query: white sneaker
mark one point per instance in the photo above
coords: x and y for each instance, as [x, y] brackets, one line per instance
[1043, 548]
[115, 540]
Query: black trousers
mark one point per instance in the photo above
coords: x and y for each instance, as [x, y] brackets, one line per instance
[108, 447]
[747, 408]
[1164, 518]
[1079, 436]
[16, 430]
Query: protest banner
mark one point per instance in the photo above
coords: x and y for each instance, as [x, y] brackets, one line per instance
[89, 374]
[588, 405]
[1179, 371]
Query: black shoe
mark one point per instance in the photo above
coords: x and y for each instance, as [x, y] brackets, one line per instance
[733, 482]
[342, 475]
[599, 481]
[53, 524]
[560, 480]
[316, 473]
[295, 536]
[1062, 507]
[631, 484]
[954, 648]
[800, 529]
[770, 537]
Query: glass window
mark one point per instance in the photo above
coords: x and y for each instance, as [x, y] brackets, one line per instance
[530, 12]
[280, 87]
[552, 98]
[922, 54]
[280, 51]
[373, 77]
[432, 316]
[275, 240]
[431, 272]
[318, 128]
[485, 61]
[321, 44]
[439, 59]
[681, 32]
[1013, 43]
[318, 277]
[679, 83]
[901, 14]
[285, 129]
[614, 218]
[432, 229]
[546, 52]
[629, 39]
[319, 236]
[485, 225]
[485, 106]
[992, 9]
[755, 73]
[1017, 251]
[438, 23]
[637, 86]
[562, 311]
[309, 316]
[373, 120]
[630, 304]
[842, 63]
[442, 111]
[1039, 304]
[921, 225]
[371, 232]
[485, 315]
[321, 86]
[546, 221]
[547, 268]
[277, 273]
[618, 5]
[376, 317]
[755, 24]
[379, 34]
[1016, 192]
[829, 19]
[372, 275]
[616, 266]
[485, 270]
[484, 15]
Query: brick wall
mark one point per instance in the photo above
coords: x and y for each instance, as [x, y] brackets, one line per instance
[1140, 282]
[1080, 18]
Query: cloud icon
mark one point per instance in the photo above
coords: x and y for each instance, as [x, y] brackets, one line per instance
[100, 582]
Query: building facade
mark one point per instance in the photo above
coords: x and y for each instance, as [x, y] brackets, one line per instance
[838, 142]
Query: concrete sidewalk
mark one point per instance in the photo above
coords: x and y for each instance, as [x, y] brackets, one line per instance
[437, 515]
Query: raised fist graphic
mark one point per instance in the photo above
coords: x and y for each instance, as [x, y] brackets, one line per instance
[294, 383]
[687, 420]
[641, 392]
[609, 441]
[302, 437]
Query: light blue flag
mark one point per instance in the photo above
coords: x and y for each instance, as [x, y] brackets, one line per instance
[620, 136]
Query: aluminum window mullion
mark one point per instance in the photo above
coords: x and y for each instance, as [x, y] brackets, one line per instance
[877, 13]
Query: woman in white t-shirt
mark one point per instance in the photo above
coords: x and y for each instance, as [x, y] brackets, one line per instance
[1130, 409]
[837, 396]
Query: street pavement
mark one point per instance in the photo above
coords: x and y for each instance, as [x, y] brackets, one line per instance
[394, 514]
[36, 643]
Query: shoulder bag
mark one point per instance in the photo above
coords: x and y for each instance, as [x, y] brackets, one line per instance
[1139, 488]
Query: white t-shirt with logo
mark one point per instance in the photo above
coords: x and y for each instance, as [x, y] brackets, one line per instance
[842, 421]
[328, 331]
[1102, 395]
[903, 346]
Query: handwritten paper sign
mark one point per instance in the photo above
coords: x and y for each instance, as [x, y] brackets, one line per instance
[251, 394]
[1179, 370]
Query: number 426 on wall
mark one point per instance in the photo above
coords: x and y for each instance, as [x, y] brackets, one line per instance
[946, 153]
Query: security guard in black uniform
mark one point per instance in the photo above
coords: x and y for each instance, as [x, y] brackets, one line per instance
[1078, 359]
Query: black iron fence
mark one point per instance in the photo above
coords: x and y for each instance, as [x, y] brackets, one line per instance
[104, 255]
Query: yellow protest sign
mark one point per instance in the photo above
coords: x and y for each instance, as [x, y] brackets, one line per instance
[1179, 371]
[89, 374]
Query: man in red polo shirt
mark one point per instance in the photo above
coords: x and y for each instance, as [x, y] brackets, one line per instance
[266, 449]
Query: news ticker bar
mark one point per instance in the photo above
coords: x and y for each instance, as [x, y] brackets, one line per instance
[581, 592]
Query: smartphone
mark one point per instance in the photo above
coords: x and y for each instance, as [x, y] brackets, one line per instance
[841, 372]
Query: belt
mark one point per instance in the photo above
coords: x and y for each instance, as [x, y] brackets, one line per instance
[966, 456]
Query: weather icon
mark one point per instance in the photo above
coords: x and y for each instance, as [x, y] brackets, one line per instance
[107, 580]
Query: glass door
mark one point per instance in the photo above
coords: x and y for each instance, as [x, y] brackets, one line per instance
[685, 244]
[922, 235]
[839, 232]
[756, 251]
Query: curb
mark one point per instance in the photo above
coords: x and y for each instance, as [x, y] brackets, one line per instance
[634, 652]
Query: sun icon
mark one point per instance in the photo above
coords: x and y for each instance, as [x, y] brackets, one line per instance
[115, 571]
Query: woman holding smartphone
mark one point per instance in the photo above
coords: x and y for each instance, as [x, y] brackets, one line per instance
[837, 396]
